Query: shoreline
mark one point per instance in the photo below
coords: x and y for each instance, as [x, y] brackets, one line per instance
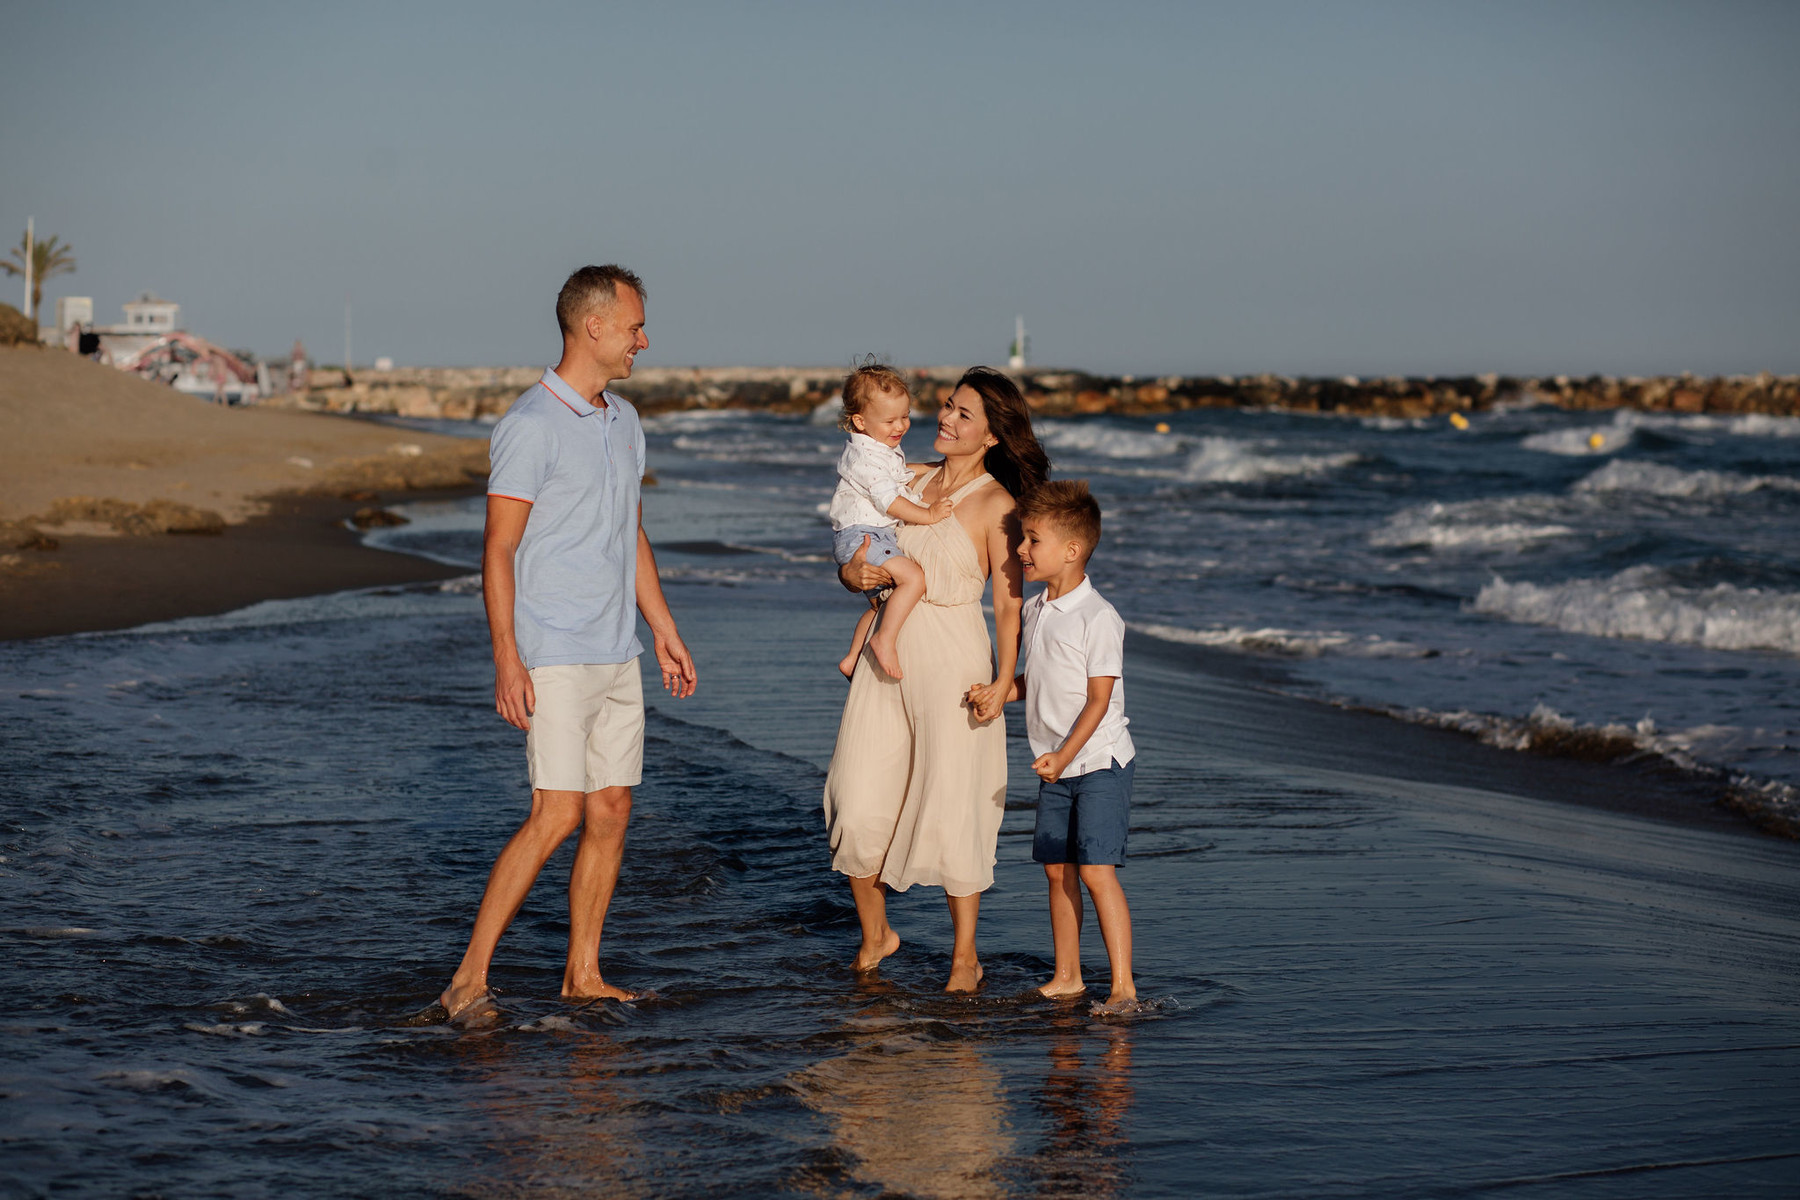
[299, 547]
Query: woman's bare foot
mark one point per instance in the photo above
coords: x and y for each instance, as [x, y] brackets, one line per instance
[882, 643]
[867, 961]
[1056, 989]
[964, 977]
[600, 991]
[469, 1011]
[1121, 1002]
[458, 997]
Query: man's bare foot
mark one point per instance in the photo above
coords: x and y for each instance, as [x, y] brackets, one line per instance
[866, 961]
[1057, 989]
[964, 977]
[882, 643]
[600, 991]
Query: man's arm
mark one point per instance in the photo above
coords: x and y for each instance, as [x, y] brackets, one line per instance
[671, 653]
[514, 698]
[1099, 694]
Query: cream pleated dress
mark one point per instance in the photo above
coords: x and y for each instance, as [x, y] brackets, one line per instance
[917, 786]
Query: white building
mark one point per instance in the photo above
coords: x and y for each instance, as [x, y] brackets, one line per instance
[73, 310]
[152, 315]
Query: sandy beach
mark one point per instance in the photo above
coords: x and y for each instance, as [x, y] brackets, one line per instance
[123, 502]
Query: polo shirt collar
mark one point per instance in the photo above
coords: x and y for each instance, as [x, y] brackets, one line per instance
[1072, 597]
[577, 403]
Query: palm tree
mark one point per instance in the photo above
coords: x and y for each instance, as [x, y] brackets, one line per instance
[48, 258]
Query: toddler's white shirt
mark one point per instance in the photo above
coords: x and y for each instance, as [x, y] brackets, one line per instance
[871, 475]
[1062, 643]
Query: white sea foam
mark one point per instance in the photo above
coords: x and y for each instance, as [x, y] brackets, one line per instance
[1285, 643]
[1584, 440]
[1657, 479]
[1641, 602]
[365, 605]
[1619, 432]
[749, 448]
[1474, 524]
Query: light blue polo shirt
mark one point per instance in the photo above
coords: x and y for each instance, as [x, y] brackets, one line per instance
[575, 573]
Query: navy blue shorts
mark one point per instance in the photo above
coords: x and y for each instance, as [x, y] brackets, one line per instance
[1084, 818]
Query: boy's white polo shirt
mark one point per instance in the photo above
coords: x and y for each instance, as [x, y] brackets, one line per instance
[1063, 642]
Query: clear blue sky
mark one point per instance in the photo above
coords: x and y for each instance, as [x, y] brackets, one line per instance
[1314, 188]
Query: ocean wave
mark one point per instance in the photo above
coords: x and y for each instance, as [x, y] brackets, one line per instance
[1657, 479]
[1583, 440]
[1620, 431]
[1286, 643]
[422, 600]
[1225, 460]
[1641, 602]
[1474, 524]
[1104, 441]
[765, 451]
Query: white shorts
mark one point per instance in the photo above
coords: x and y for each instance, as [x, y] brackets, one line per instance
[587, 732]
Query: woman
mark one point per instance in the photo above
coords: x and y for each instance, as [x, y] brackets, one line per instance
[917, 784]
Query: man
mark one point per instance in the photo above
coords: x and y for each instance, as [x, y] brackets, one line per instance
[564, 557]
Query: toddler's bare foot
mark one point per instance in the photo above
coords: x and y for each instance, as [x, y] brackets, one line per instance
[847, 666]
[882, 643]
[964, 977]
[1058, 988]
[868, 959]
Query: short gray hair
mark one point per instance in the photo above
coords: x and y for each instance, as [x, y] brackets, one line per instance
[592, 288]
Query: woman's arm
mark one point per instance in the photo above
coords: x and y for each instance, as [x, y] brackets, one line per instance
[1009, 599]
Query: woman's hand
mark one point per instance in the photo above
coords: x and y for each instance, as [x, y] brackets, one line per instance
[985, 700]
[858, 576]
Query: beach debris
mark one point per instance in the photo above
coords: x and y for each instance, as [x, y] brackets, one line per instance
[1459, 421]
[407, 449]
[371, 518]
[295, 460]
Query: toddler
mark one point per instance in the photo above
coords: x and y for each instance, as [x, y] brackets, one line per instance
[874, 494]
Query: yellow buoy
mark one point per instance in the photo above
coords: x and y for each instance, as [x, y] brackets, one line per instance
[1162, 427]
[1596, 440]
[1458, 420]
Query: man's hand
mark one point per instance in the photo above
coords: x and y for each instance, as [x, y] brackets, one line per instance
[1049, 767]
[514, 697]
[677, 666]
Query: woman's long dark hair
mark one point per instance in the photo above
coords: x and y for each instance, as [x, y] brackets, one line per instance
[1015, 460]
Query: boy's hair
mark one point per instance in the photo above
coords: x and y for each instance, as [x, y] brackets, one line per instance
[1066, 504]
[868, 379]
[590, 289]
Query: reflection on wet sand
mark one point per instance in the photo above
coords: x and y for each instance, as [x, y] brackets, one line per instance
[915, 1115]
[1085, 1150]
[566, 1134]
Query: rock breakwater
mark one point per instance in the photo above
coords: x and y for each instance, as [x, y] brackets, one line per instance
[468, 393]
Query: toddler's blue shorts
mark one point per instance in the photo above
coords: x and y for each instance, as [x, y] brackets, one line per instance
[884, 543]
[1084, 818]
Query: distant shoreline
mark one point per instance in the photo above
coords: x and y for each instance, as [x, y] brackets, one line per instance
[468, 393]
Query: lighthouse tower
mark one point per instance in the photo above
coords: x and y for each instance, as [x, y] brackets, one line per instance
[1017, 360]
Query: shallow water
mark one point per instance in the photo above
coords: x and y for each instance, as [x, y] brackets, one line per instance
[241, 855]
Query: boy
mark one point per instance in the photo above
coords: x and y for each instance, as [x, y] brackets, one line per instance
[1072, 649]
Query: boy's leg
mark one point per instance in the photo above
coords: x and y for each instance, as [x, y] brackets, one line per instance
[1114, 916]
[591, 882]
[909, 589]
[554, 816]
[1065, 929]
[848, 664]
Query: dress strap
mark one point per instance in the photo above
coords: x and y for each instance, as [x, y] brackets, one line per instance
[965, 489]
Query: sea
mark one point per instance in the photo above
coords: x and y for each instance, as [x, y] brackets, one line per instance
[1403, 927]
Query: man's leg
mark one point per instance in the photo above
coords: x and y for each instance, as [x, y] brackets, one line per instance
[878, 937]
[1065, 929]
[591, 882]
[554, 816]
[1114, 916]
[965, 964]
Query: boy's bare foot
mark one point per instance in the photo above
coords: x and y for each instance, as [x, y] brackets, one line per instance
[867, 961]
[1057, 989]
[964, 977]
[882, 643]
